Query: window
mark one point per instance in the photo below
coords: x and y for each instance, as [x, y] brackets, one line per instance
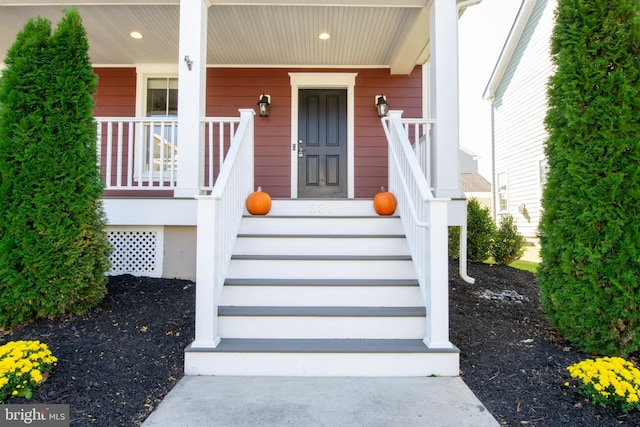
[502, 192]
[543, 171]
[161, 139]
[162, 97]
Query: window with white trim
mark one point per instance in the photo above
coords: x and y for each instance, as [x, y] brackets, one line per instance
[502, 192]
[160, 147]
[162, 97]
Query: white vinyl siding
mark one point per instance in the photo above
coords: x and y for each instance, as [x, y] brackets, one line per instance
[520, 106]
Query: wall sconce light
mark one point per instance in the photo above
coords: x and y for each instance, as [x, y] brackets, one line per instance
[381, 105]
[264, 104]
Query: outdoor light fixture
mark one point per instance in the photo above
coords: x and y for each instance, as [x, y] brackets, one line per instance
[264, 104]
[382, 106]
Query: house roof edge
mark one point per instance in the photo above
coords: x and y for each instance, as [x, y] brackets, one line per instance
[509, 47]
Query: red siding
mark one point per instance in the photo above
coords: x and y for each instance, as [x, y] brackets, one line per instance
[229, 89]
[116, 92]
[403, 93]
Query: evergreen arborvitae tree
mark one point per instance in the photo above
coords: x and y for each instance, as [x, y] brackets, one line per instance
[54, 250]
[590, 228]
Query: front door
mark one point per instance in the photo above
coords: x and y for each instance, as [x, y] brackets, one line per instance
[322, 143]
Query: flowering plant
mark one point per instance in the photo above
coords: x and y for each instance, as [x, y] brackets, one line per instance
[608, 381]
[23, 365]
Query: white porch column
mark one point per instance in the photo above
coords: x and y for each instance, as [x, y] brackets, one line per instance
[437, 291]
[443, 73]
[192, 62]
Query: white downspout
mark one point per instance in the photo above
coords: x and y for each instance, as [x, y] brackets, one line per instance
[462, 264]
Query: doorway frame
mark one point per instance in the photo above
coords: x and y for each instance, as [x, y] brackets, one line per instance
[323, 81]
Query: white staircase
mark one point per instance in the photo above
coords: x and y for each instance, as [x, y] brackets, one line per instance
[321, 288]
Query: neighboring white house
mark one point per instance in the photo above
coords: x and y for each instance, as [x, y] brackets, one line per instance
[473, 184]
[518, 94]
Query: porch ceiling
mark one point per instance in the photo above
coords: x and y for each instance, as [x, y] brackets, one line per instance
[374, 33]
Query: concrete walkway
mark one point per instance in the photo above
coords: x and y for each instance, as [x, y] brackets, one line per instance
[303, 401]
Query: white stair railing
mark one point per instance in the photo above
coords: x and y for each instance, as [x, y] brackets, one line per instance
[219, 216]
[419, 134]
[424, 219]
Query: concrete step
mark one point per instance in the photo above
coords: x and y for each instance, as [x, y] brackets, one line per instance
[321, 322]
[322, 357]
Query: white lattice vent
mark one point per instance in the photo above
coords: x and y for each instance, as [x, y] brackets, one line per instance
[136, 250]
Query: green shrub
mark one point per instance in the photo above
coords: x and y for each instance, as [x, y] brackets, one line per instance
[590, 231]
[53, 244]
[480, 231]
[508, 244]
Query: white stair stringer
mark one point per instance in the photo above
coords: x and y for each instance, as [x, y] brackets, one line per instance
[321, 288]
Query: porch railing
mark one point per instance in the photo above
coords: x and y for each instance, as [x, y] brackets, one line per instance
[219, 216]
[424, 219]
[141, 153]
[419, 133]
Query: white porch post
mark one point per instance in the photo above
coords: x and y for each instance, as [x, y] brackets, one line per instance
[192, 65]
[206, 334]
[443, 73]
[437, 292]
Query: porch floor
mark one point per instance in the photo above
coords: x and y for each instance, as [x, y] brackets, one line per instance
[314, 401]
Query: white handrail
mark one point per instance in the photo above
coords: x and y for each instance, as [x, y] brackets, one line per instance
[424, 219]
[219, 216]
[397, 146]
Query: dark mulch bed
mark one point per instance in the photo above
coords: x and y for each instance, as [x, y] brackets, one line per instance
[117, 362]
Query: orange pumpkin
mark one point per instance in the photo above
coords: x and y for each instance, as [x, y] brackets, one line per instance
[259, 202]
[384, 202]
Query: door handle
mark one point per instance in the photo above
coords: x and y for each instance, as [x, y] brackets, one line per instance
[300, 152]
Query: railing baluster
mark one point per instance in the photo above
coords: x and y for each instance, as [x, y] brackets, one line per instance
[119, 159]
[221, 145]
[109, 152]
[130, 139]
[173, 159]
[161, 164]
[209, 127]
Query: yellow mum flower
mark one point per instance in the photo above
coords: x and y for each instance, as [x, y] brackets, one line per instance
[36, 375]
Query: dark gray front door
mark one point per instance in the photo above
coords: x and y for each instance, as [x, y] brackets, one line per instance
[322, 143]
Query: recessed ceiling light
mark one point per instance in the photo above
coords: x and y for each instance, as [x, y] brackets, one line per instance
[324, 36]
[136, 35]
